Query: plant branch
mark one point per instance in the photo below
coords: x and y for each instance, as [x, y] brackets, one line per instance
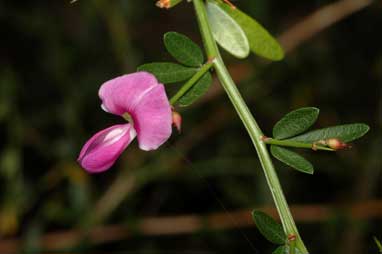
[190, 83]
[290, 40]
[250, 124]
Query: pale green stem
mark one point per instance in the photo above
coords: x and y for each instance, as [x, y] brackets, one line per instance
[186, 87]
[292, 246]
[250, 124]
[291, 143]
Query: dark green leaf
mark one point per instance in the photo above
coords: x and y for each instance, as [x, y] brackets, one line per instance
[292, 159]
[295, 122]
[183, 49]
[345, 133]
[227, 32]
[269, 228]
[200, 88]
[168, 72]
[281, 250]
[260, 41]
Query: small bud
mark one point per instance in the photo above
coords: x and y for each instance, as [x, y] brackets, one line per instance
[292, 237]
[336, 144]
[167, 4]
[317, 143]
[177, 120]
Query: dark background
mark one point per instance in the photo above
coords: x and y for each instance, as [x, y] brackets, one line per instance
[54, 56]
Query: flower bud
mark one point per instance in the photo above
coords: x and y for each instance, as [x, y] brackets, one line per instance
[336, 144]
[177, 120]
[167, 4]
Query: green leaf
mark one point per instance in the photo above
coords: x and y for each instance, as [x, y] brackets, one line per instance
[183, 49]
[292, 159]
[260, 41]
[199, 89]
[295, 122]
[168, 72]
[345, 133]
[281, 250]
[269, 228]
[227, 32]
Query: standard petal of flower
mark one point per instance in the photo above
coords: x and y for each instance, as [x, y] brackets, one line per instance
[104, 148]
[152, 119]
[122, 94]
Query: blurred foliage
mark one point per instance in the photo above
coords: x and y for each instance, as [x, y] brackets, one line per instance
[54, 57]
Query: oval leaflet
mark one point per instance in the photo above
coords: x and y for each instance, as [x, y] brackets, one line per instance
[228, 34]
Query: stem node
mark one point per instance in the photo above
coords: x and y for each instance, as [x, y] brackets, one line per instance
[211, 59]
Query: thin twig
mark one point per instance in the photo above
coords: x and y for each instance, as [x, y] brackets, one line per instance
[320, 20]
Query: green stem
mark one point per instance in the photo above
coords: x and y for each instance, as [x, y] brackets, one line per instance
[250, 124]
[182, 91]
[292, 247]
[290, 143]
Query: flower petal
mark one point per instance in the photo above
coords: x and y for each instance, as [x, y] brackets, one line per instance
[104, 148]
[120, 95]
[153, 119]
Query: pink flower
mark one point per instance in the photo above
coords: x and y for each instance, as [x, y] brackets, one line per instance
[139, 98]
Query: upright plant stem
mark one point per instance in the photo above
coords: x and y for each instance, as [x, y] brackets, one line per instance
[250, 124]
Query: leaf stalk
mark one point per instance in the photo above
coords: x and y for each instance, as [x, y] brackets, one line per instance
[296, 144]
[190, 83]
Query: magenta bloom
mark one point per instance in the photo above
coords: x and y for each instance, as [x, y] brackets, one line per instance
[141, 99]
